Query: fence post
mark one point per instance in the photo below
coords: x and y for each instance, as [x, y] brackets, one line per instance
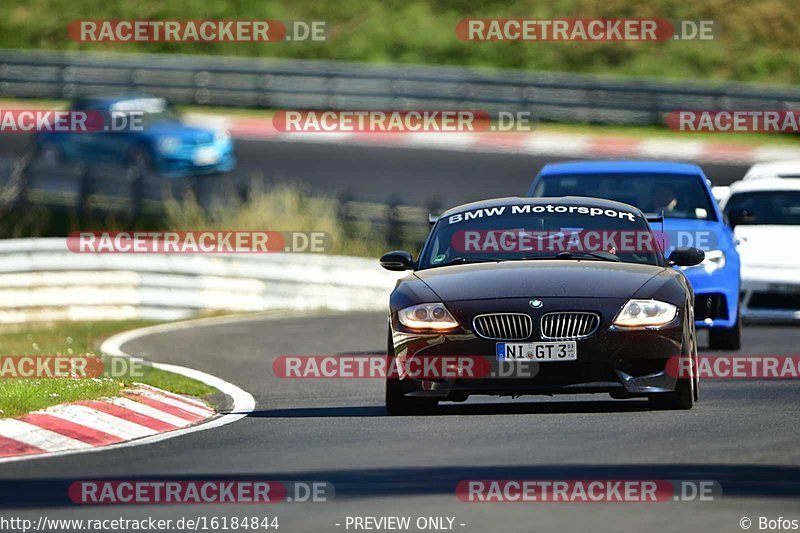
[343, 212]
[394, 226]
[84, 191]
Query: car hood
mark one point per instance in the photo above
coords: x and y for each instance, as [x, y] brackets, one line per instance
[541, 278]
[187, 134]
[769, 246]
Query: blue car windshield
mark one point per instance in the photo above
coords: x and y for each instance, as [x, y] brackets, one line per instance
[677, 195]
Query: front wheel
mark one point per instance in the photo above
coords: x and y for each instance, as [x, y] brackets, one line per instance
[685, 393]
[727, 338]
[51, 154]
[681, 398]
[397, 403]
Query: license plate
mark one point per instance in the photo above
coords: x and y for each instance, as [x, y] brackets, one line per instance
[537, 351]
[206, 156]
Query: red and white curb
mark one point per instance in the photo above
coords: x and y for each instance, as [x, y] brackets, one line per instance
[177, 415]
[141, 411]
[534, 143]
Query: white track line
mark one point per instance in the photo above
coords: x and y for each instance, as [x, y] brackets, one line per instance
[243, 401]
[187, 399]
[92, 418]
[199, 411]
[36, 436]
[146, 410]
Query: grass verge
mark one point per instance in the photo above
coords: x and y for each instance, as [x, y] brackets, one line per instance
[284, 207]
[754, 41]
[20, 396]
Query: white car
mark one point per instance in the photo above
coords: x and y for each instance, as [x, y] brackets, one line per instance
[774, 169]
[765, 214]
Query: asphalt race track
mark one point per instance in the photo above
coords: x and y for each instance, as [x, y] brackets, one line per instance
[376, 174]
[413, 176]
[742, 434]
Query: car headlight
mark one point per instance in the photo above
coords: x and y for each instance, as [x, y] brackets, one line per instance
[168, 144]
[221, 135]
[638, 313]
[427, 316]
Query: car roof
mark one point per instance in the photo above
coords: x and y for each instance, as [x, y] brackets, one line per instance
[773, 169]
[109, 100]
[562, 200]
[620, 167]
[766, 184]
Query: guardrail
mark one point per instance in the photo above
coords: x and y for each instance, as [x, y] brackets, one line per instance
[87, 193]
[295, 84]
[40, 279]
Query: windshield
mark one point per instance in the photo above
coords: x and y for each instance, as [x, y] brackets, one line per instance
[767, 207]
[679, 196]
[539, 232]
[153, 110]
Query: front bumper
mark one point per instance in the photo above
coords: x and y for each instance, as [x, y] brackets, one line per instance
[629, 362]
[770, 293]
[185, 162]
[716, 296]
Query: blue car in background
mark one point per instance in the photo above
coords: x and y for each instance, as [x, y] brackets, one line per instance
[160, 142]
[691, 218]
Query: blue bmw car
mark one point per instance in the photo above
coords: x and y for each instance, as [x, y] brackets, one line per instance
[682, 193]
[158, 141]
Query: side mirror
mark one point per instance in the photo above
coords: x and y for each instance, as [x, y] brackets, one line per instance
[397, 261]
[737, 217]
[686, 256]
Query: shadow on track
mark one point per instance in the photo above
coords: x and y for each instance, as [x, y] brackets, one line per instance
[450, 409]
[737, 481]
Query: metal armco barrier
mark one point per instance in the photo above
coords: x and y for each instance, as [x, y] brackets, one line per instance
[40, 279]
[295, 84]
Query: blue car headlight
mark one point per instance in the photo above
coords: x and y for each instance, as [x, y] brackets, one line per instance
[715, 260]
[222, 136]
[168, 145]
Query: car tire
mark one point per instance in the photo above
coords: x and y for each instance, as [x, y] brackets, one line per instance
[139, 160]
[50, 154]
[397, 403]
[683, 397]
[726, 338]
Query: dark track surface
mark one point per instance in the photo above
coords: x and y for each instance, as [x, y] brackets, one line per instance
[743, 434]
[411, 176]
